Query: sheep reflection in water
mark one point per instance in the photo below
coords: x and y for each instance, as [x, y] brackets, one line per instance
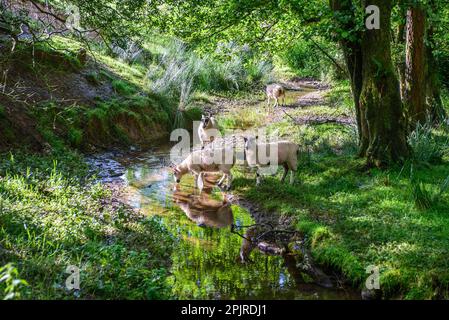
[203, 209]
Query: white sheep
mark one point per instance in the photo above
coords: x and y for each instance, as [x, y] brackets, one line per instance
[275, 91]
[207, 129]
[287, 155]
[202, 161]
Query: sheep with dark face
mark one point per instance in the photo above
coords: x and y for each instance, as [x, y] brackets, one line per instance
[287, 155]
[207, 130]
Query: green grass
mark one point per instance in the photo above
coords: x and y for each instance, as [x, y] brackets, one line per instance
[53, 215]
[123, 88]
[352, 218]
[243, 117]
[93, 78]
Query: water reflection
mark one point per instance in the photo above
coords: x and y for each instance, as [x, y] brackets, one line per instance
[203, 209]
[204, 263]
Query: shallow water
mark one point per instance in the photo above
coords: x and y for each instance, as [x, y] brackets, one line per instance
[292, 96]
[206, 263]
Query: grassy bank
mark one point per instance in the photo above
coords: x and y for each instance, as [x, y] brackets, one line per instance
[70, 100]
[353, 217]
[59, 95]
[53, 215]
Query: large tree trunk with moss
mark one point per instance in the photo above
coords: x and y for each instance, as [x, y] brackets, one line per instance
[352, 51]
[415, 87]
[380, 99]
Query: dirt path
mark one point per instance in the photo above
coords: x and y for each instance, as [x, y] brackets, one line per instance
[302, 94]
[305, 93]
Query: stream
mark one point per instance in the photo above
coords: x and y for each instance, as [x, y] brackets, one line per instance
[210, 261]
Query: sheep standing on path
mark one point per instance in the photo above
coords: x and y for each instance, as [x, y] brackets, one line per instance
[275, 91]
[287, 155]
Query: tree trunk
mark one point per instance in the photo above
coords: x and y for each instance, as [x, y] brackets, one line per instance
[400, 63]
[352, 52]
[433, 85]
[380, 99]
[415, 87]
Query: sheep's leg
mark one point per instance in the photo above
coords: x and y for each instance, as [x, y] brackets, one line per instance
[200, 181]
[285, 173]
[195, 180]
[277, 102]
[229, 182]
[268, 101]
[293, 166]
[257, 177]
[222, 179]
[292, 177]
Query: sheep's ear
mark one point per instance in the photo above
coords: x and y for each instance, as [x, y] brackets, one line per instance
[245, 139]
[257, 137]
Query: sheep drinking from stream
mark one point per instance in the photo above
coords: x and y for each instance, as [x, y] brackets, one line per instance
[286, 152]
[202, 161]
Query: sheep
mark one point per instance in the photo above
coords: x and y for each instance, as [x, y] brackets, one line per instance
[200, 162]
[287, 155]
[275, 91]
[206, 129]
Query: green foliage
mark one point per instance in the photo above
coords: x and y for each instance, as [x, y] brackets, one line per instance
[427, 146]
[353, 217]
[427, 196]
[242, 118]
[180, 68]
[181, 73]
[55, 215]
[93, 78]
[75, 137]
[308, 61]
[123, 88]
[9, 279]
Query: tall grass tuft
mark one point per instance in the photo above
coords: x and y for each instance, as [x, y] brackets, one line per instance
[427, 147]
[174, 77]
[180, 72]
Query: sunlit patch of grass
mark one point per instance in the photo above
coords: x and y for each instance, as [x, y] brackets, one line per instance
[354, 217]
[243, 118]
[53, 215]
